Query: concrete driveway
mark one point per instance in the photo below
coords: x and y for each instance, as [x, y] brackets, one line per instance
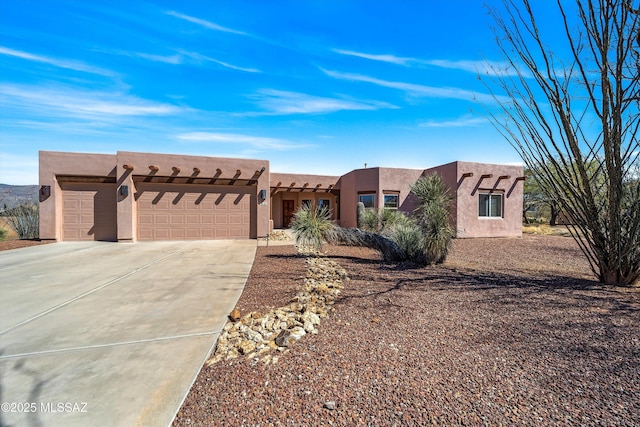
[111, 334]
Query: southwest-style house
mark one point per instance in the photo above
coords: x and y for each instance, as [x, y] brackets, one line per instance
[131, 196]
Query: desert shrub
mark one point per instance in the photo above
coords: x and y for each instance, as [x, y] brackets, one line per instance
[25, 220]
[3, 234]
[312, 226]
[382, 221]
[432, 215]
[389, 249]
[409, 237]
[369, 220]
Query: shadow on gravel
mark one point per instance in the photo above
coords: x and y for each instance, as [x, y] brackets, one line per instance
[499, 288]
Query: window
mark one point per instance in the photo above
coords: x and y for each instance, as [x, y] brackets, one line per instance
[306, 203]
[490, 205]
[368, 200]
[324, 203]
[391, 201]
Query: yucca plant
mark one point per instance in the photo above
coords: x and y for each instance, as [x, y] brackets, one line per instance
[433, 214]
[312, 226]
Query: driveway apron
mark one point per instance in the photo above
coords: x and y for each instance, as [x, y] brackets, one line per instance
[98, 333]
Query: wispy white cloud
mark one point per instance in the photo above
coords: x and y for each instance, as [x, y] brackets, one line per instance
[283, 102]
[501, 68]
[71, 102]
[260, 142]
[179, 58]
[204, 23]
[464, 121]
[203, 58]
[57, 62]
[414, 89]
[167, 59]
[383, 58]
[472, 66]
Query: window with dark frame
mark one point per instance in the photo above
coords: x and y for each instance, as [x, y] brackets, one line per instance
[324, 203]
[369, 200]
[490, 205]
[391, 201]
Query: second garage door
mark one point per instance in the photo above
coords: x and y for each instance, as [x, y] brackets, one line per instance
[89, 211]
[188, 212]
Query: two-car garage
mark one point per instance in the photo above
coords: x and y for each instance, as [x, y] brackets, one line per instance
[186, 212]
[164, 211]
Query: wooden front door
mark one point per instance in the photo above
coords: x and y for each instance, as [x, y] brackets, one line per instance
[288, 207]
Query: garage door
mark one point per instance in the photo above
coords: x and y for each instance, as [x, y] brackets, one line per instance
[187, 212]
[89, 211]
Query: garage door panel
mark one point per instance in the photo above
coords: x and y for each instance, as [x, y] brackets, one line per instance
[175, 211]
[177, 219]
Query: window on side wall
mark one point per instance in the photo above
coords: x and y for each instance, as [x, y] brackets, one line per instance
[306, 203]
[391, 201]
[324, 204]
[369, 200]
[490, 205]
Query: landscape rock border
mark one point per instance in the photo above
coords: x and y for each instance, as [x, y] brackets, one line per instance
[259, 335]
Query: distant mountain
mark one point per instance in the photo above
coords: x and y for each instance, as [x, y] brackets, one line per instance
[14, 195]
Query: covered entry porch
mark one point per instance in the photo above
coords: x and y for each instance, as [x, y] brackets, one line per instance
[291, 191]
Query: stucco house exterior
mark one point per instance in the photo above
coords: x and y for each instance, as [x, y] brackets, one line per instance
[130, 196]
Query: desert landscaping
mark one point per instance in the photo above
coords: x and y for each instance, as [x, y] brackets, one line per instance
[506, 332]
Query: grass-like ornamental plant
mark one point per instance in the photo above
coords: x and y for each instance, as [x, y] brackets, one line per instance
[382, 221]
[409, 237]
[312, 226]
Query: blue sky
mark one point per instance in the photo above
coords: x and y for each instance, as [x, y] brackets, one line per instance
[313, 86]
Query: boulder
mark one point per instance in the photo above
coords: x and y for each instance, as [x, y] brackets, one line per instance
[234, 316]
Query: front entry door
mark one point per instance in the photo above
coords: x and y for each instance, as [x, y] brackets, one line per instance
[288, 207]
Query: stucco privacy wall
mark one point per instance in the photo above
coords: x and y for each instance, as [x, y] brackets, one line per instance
[467, 181]
[52, 165]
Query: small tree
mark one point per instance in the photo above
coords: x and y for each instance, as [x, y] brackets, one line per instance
[536, 199]
[579, 115]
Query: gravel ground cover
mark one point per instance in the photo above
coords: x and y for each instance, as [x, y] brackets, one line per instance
[507, 332]
[17, 244]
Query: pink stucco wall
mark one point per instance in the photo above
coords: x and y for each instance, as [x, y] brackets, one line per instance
[378, 181]
[466, 181]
